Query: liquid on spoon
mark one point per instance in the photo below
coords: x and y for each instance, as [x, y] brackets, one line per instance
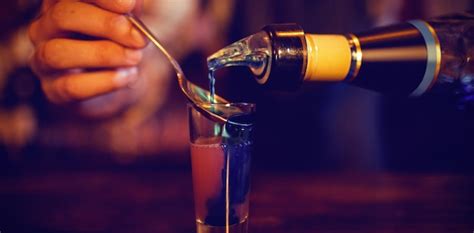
[200, 97]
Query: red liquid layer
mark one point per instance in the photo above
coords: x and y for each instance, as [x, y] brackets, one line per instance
[209, 168]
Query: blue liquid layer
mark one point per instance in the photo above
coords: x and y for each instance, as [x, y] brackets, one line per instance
[239, 185]
[237, 148]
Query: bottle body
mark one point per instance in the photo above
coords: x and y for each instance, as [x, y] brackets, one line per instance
[400, 59]
[411, 58]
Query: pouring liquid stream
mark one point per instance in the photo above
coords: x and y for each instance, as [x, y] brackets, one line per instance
[252, 52]
[237, 54]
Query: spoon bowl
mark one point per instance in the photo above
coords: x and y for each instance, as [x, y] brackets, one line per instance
[195, 94]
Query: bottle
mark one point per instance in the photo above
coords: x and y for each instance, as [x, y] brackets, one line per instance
[410, 58]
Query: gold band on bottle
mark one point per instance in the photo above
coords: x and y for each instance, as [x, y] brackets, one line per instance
[356, 54]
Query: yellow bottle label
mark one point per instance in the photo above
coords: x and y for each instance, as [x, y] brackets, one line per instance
[329, 58]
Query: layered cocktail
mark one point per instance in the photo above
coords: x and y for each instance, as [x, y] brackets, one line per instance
[221, 155]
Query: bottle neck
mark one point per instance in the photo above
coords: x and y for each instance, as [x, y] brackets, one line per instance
[400, 59]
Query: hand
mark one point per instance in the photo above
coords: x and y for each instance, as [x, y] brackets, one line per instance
[85, 49]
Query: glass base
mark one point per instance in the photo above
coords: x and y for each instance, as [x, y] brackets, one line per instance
[236, 228]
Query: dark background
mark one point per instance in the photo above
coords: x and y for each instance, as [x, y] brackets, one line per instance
[321, 129]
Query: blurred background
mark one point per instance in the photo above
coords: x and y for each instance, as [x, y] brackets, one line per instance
[321, 128]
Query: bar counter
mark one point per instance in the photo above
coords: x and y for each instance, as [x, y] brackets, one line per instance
[149, 200]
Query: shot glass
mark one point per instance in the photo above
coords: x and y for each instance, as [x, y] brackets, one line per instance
[220, 157]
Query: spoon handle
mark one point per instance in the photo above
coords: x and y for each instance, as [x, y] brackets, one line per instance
[144, 29]
[192, 92]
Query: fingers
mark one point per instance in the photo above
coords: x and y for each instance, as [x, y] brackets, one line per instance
[73, 37]
[62, 54]
[83, 18]
[82, 86]
[138, 7]
[117, 6]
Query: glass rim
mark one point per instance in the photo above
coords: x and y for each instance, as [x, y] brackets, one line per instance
[234, 104]
[226, 111]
